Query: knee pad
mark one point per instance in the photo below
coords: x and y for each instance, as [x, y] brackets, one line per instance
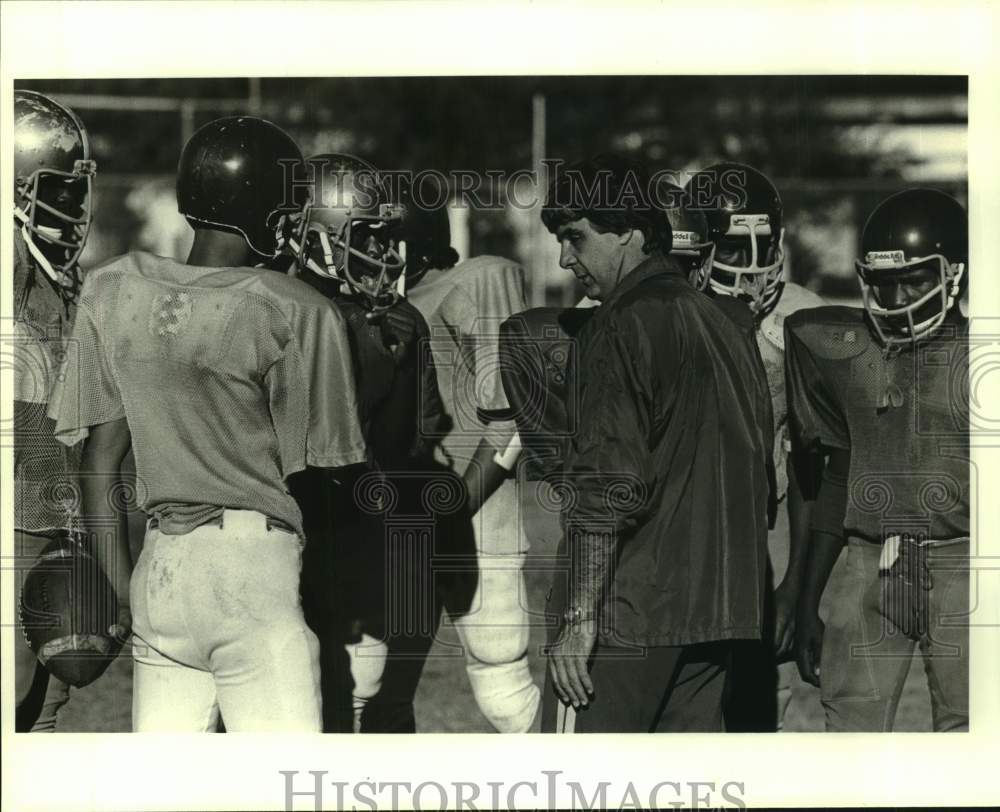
[496, 628]
[505, 693]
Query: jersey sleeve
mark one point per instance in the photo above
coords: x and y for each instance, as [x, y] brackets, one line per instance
[473, 312]
[86, 391]
[521, 371]
[535, 351]
[830, 508]
[815, 411]
[433, 419]
[313, 397]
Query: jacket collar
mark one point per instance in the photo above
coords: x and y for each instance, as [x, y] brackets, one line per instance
[653, 265]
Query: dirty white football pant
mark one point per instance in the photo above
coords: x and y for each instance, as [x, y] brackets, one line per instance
[495, 630]
[218, 626]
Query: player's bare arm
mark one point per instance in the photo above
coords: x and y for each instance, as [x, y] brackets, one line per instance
[826, 541]
[786, 595]
[483, 476]
[104, 451]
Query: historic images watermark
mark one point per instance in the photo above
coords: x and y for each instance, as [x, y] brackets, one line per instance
[310, 789]
[352, 182]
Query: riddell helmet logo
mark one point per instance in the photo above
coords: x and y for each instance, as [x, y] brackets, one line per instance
[684, 239]
[884, 258]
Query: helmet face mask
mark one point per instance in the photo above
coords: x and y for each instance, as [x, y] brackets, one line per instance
[350, 233]
[53, 185]
[757, 276]
[745, 223]
[933, 285]
[914, 267]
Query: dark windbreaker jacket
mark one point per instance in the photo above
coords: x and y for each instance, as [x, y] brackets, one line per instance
[671, 459]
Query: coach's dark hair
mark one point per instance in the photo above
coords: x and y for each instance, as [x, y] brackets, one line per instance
[612, 192]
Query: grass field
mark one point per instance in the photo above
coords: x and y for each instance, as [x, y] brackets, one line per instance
[444, 702]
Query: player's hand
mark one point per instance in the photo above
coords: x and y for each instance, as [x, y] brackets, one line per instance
[399, 329]
[568, 658]
[785, 600]
[808, 646]
[122, 627]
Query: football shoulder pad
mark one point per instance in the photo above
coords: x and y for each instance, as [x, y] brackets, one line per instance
[830, 332]
[793, 298]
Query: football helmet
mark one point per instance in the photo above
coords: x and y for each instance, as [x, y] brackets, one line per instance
[53, 185]
[914, 231]
[745, 223]
[238, 173]
[427, 238]
[691, 245]
[350, 229]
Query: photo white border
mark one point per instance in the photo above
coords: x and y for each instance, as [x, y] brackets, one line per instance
[194, 39]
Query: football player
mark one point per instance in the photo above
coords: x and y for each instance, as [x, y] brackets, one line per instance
[465, 306]
[225, 379]
[744, 217]
[346, 245]
[884, 387]
[53, 175]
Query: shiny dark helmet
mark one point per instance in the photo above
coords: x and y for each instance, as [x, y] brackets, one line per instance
[916, 239]
[53, 178]
[239, 173]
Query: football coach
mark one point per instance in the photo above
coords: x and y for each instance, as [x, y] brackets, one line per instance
[666, 476]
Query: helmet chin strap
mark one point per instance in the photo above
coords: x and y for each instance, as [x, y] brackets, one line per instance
[60, 278]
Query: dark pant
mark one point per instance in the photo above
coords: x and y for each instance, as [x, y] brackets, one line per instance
[751, 701]
[663, 689]
[429, 567]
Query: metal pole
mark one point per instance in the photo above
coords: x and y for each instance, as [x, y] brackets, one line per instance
[255, 101]
[538, 274]
[187, 120]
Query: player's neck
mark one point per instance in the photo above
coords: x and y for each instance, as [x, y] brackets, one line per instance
[219, 249]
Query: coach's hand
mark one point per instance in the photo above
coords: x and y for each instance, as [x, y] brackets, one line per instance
[809, 645]
[568, 658]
